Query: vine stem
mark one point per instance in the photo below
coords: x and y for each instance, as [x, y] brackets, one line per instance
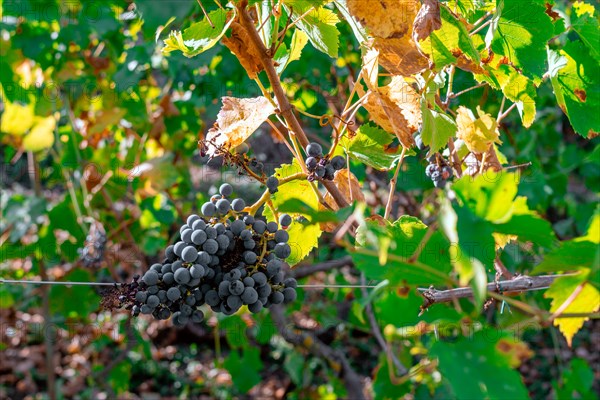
[505, 113]
[388, 206]
[285, 108]
[400, 368]
[34, 172]
[517, 285]
[455, 159]
[265, 196]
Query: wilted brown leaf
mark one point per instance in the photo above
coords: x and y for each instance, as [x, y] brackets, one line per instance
[395, 107]
[477, 133]
[237, 120]
[238, 44]
[427, 20]
[385, 18]
[400, 56]
[348, 185]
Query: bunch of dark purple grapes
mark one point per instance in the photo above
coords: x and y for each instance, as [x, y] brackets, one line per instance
[225, 259]
[95, 245]
[321, 167]
[439, 174]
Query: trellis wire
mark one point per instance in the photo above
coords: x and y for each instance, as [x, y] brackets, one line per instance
[70, 283]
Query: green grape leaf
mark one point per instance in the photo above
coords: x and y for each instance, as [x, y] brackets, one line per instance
[284, 57]
[578, 378]
[360, 33]
[490, 198]
[120, 377]
[584, 22]
[437, 128]
[244, 369]
[303, 235]
[479, 367]
[516, 87]
[529, 227]
[573, 294]
[451, 43]
[61, 297]
[570, 256]
[318, 23]
[386, 248]
[373, 146]
[200, 36]
[575, 77]
[519, 32]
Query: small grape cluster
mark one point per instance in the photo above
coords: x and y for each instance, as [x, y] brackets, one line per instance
[439, 174]
[95, 246]
[321, 167]
[225, 259]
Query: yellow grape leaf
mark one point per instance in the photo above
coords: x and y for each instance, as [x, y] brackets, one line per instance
[502, 239]
[395, 107]
[593, 231]
[578, 295]
[236, 121]
[41, 135]
[477, 133]
[385, 18]
[17, 118]
[304, 236]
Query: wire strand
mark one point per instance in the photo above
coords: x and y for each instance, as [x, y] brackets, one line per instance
[69, 283]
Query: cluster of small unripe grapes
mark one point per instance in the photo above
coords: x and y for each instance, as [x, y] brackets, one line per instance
[95, 245]
[225, 259]
[319, 166]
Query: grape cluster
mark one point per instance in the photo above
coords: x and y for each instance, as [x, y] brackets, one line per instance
[439, 174]
[321, 167]
[95, 245]
[225, 259]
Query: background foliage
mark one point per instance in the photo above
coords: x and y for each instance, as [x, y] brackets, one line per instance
[103, 104]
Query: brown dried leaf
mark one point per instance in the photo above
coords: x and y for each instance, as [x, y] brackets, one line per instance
[348, 186]
[385, 18]
[427, 20]
[395, 107]
[237, 120]
[400, 56]
[238, 44]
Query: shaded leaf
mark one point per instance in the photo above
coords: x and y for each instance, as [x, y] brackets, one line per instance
[475, 368]
[437, 128]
